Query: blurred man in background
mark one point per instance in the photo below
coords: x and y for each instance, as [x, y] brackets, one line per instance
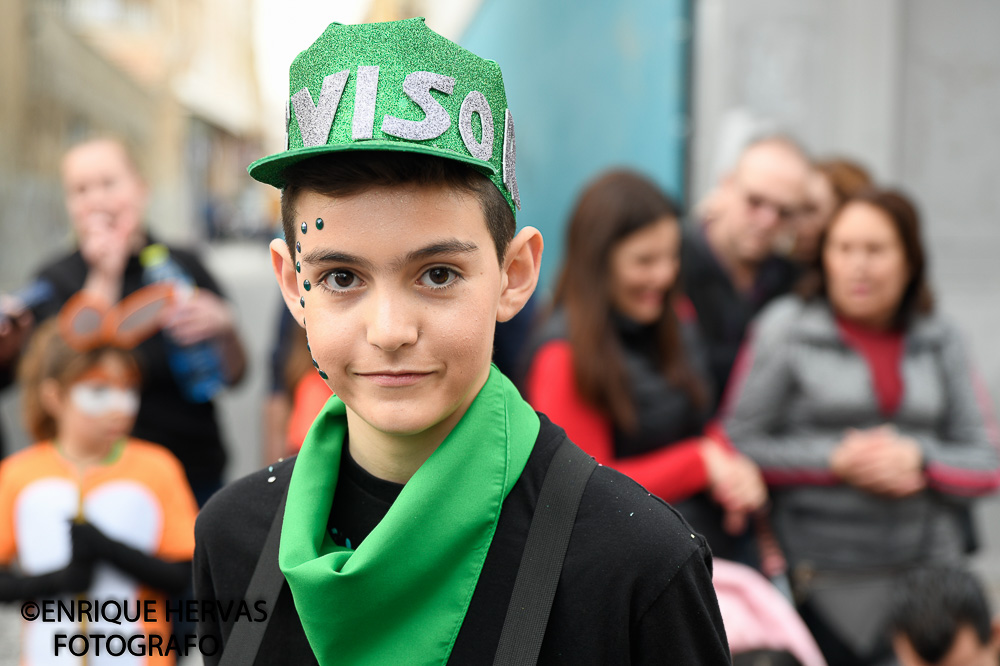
[728, 263]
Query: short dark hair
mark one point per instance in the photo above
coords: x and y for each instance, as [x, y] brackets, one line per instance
[902, 213]
[348, 173]
[931, 604]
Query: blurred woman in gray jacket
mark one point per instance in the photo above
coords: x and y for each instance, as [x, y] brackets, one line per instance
[862, 409]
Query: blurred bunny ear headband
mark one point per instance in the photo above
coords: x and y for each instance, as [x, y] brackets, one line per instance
[87, 321]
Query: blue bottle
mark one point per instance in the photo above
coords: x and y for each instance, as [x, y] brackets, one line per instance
[197, 368]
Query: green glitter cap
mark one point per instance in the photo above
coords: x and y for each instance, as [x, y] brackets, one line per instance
[396, 86]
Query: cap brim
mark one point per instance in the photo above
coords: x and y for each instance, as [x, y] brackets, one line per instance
[271, 169]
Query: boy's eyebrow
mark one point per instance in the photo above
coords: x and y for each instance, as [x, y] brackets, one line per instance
[334, 257]
[451, 246]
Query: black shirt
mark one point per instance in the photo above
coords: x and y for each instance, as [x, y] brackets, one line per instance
[724, 312]
[636, 586]
[360, 502]
[189, 430]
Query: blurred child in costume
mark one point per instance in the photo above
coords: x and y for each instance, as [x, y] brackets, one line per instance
[87, 510]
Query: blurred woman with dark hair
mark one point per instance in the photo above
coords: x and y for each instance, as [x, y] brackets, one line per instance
[860, 406]
[832, 182]
[616, 366]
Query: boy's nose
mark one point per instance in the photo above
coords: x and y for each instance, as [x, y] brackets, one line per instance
[390, 324]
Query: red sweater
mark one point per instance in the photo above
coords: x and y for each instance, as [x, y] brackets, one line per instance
[882, 350]
[673, 472]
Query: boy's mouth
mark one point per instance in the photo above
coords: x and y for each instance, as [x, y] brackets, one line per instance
[393, 379]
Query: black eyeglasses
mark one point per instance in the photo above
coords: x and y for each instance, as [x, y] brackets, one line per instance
[784, 213]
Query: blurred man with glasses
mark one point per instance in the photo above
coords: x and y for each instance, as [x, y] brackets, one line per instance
[728, 263]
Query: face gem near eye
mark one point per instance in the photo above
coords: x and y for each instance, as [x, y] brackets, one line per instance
[304, 227]
[298, 266]
[323, 375]
[302, 301]
[298, 246]
[319, 223]
[307, 286]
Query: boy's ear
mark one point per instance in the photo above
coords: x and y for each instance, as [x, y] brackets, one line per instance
[284, 273]
[50, 395]
[995, 635]
[519, 275]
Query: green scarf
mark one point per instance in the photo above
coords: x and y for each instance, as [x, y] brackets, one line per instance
[401, 597]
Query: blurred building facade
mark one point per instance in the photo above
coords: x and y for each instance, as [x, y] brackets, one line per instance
[174, 79]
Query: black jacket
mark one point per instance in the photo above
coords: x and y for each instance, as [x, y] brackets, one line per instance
[636, 587]
[724, 312]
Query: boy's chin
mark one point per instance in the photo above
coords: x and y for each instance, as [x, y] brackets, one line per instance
[400, 425]
[396, 421]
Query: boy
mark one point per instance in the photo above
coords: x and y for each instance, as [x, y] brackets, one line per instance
[941, 618]
[408, 509]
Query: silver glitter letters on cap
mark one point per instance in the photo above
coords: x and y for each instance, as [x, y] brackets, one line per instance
[509, 159]
[316, 120]
[417, 86]
[475, 102]
[365, 90]
[288, 120]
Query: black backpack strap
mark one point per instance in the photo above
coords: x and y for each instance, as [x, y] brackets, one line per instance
[265, 585]
[544, 552]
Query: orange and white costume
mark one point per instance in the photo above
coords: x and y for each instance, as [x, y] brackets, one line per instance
[139, 496]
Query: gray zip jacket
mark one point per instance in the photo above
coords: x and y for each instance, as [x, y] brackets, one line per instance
[799, 387]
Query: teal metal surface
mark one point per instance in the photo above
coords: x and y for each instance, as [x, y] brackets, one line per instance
[592, 85]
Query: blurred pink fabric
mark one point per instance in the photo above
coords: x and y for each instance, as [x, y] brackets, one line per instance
[757, 616]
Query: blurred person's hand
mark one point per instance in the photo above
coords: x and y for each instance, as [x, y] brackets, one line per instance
[15, 325]
[201, 317]
[89, 543]
[735, 482]
[105, 248]
[879, 461]
[75, 578]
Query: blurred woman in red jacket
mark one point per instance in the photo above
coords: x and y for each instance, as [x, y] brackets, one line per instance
[618, 363]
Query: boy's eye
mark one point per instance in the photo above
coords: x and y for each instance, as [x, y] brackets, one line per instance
[438, 277]
[340, 280]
